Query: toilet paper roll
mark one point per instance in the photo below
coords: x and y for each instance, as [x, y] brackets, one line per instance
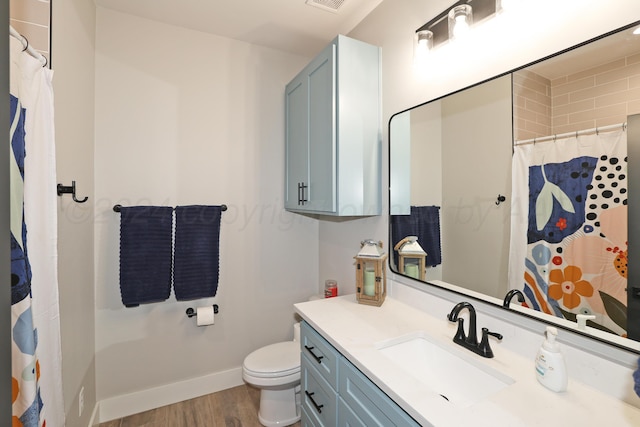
[204, 316]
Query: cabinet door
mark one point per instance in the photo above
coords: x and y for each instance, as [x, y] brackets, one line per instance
[346, 417]
[369, 404]
[322, 354]
[318, 399]
[297, 141]
[322, 131]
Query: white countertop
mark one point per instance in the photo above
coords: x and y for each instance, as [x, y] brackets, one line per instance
[354, 329]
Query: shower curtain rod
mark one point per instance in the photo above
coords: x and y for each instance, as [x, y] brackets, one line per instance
[25, 44]
[568, 134]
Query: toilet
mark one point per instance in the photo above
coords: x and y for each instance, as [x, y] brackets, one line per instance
[275, 370]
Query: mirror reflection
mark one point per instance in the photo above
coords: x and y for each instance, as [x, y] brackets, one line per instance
[516, 188]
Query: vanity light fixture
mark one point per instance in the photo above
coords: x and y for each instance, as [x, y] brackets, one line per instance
[454, 22]
[422, 45]
[460, 20]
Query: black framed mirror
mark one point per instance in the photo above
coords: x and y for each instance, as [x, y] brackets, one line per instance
[452, 175]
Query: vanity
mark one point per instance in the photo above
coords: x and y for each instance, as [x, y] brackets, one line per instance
[379, 353]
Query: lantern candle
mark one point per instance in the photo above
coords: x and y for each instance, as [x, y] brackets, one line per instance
[412, 270]
[369, 282]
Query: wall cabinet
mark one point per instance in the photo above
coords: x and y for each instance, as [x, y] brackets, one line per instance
[333, 139]
[336, 393]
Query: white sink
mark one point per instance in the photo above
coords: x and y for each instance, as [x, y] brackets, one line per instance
[456, 376]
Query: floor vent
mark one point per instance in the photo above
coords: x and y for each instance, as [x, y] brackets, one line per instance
[328, 5]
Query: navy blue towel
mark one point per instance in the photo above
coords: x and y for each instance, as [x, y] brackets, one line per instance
[423, 222]
[196, 252]
[145, 254]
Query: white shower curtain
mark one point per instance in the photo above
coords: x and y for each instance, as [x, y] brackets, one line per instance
[569, 227]
[36, 352]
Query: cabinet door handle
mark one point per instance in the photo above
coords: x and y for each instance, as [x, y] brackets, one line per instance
[303, 199]
[310, 396]
[310, 350]
[299, 193]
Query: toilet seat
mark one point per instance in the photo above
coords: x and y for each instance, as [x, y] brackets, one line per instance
[274, 361]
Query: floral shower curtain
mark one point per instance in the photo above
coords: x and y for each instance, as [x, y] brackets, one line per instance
[35, 326]
[569, 227]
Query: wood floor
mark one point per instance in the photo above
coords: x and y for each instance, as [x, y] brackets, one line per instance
[235, 407]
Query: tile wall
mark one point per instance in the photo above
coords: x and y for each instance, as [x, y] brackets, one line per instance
[31, 18]
[597, 97]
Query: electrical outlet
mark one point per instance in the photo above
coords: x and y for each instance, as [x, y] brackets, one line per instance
[81, 402]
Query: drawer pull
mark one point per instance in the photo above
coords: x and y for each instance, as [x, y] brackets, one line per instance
[310, 396]
[310, 350]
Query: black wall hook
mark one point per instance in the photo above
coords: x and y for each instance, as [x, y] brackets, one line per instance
[500, 199]
[63, 189]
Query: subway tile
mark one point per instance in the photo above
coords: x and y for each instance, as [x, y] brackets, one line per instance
[559, 121]
[560, 100]
[632, 59]
[596, 91]
[572, 87]
[634, 82]
[543, 119]
[618, 97]
[30, 11]
[633, 107]
[610, 120]
[574, 127]
[592, 115]
[37, 35]
[587, 104]
[523, 115]
[538, 129]
[558, 81]
[537, 107]
[600, 69]
[620, 73]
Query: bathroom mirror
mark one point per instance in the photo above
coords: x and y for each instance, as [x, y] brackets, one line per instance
[451, 186]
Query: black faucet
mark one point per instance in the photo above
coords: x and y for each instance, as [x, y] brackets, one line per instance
[510, 295]
[470, 341]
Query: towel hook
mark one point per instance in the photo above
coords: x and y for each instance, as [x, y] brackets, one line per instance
[63, 189]
[500, 199]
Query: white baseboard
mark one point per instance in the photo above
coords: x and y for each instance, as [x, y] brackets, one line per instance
[94, 421]
[144, 400]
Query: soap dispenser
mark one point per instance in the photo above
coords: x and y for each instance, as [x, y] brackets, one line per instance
[551, 369]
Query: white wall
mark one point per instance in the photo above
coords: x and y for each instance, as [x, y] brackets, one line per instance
[72, 58]
[184, 117]
[476, 153]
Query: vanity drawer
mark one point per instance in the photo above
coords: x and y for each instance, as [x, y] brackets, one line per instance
[319, 399]
[322, 354]
[370, 404]
[307, 420]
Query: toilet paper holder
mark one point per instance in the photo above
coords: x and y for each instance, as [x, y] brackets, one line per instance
[191, 312]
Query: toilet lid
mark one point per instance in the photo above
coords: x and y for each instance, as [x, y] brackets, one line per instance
[274, 360]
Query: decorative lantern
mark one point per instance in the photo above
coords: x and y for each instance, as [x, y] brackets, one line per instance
[371, 275]
[411, 258]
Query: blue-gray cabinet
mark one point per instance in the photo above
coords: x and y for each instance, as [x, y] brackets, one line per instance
[336, 393]
[333, 138]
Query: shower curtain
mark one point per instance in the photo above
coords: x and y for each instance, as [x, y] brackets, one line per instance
[35, 326]
[569, 227]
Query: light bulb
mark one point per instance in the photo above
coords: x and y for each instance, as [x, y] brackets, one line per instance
[460, 19]
[460, 27]
[422, 46]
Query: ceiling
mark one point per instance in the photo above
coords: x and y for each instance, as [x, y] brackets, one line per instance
[288, 25]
